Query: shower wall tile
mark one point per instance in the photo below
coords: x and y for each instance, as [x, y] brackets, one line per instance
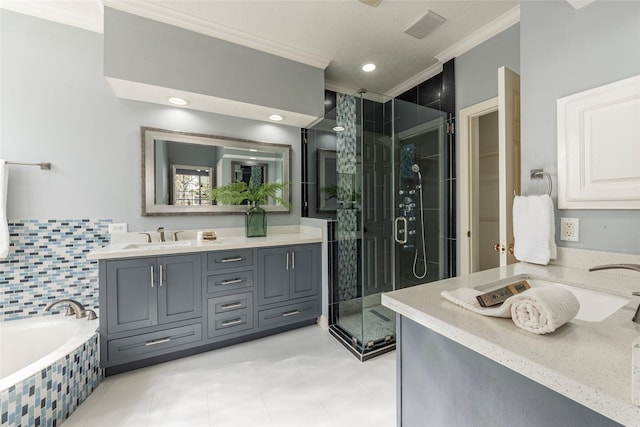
[430, 91]
[448, 87]
[48, 261]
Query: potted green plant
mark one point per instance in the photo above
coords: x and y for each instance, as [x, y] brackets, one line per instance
[239, 192]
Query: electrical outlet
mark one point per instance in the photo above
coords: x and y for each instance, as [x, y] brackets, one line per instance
[570, 229]
[118, 227]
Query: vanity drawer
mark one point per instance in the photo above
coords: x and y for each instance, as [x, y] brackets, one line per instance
[222, 305]
[230, 281]
[229, 259]
[230, 314]
[288, 314]
[153, 343]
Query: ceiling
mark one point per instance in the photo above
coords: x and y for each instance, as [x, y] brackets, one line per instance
[337, 35]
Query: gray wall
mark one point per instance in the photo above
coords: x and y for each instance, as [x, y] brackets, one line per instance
[477, 70]
[147, 51]
[56, 106]
[565, 51]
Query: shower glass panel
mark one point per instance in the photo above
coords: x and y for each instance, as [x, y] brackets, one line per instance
[386, 194]
[420, 194]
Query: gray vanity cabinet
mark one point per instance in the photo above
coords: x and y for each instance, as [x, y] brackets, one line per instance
[150, 306]
[146, 292]
[158, 308]
[288, 284]
[131, 295]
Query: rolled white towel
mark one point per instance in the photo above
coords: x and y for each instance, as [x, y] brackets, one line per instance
[543, 310]
[537, 310]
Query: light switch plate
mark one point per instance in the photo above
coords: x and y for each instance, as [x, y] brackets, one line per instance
[120, 227]
[570, 229]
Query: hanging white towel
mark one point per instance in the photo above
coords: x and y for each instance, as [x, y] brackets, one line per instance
[537, 310]
[4, 226]
[534, 229]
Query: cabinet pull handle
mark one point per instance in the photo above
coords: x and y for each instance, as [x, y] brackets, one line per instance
[232, 305]
[287, 260]
[232, 322]
[152, 276]
[290, 313]
[158, 341]
[160, 281]
[231, 259]
[293, 260]
[231, 282]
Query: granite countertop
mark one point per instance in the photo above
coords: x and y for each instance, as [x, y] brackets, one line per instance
[231, 238]
[585, 361]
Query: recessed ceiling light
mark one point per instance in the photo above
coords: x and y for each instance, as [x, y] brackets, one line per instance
[338, 128]
[175, 100]
[368, 67]
[276, 117]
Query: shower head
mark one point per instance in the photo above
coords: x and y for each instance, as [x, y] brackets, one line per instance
[416, 169]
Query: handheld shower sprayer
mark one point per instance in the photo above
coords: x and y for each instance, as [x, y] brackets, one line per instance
[416, 169]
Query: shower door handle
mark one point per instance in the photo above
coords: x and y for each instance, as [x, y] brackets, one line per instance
[405, 230]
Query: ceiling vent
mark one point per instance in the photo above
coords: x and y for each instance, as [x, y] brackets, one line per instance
[424, 25]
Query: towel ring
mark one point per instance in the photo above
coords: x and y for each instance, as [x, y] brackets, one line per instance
[539, 174]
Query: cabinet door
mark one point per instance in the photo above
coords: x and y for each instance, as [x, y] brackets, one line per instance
[179, 288]
[131, 294]
[273, 275]
[305, 271]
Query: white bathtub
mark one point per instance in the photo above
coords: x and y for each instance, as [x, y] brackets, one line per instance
[30, 345]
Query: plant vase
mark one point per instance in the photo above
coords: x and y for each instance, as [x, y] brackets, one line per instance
[256, 222]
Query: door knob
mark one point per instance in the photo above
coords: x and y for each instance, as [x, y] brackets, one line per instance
[498, 247]
[511, 248]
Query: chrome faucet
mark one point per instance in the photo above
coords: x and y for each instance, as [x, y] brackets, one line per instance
[161, 231]
[73, 308]
[634, 267]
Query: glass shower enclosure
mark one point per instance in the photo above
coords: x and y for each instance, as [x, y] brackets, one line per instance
[380, 175]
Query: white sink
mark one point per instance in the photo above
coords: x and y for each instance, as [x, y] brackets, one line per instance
[594, 306]
[157, 245]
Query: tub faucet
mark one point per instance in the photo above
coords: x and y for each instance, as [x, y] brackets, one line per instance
[161, 231]
[73, 307]
[634, 267]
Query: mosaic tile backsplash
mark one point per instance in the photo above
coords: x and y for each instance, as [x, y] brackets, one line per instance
[50, 396]
[48, 261]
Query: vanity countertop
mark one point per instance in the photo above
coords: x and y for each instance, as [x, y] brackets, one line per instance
[584, 361]
[227, 239]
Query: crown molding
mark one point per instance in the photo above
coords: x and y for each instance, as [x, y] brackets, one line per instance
[493, 28]
[340, 88]
[202, 26]
[415, 80]
[89, 17]
[579, 4]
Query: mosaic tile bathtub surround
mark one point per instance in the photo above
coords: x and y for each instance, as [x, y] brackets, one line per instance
[48, 261]
[50, 396]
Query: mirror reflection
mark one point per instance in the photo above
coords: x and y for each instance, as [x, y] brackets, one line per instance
[180, 169]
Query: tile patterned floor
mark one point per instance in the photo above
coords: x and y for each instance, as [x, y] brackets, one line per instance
[301, 378]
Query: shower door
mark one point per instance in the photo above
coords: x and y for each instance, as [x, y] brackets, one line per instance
[419, 194]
